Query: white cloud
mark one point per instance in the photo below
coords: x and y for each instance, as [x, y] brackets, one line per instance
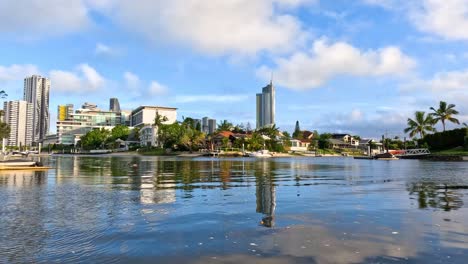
[304, 70]
[43, 16]
[445, 18]
[156, 88]
[216, 27]
[83, 79]
[17, 72]
[212, 98]
[442, 82]
[102, 49]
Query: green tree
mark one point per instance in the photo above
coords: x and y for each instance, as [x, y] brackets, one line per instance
[420, 125]
[323, 141]
[170, 135]
[225, 126]
[120, 131]
[159, 119]
[297, 131]
[4, 130]
[444, 113]
[95, 139]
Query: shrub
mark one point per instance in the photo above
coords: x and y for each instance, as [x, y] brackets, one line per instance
[446, 140]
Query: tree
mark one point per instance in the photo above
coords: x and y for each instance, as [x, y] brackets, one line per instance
[120, 131]
[420, 125]
[159, 119]
[323, 141]
[225, 126]
[95, 139]
[444, 113]
[248, 127]
[4, 127]
[297, 131]
[4, 130]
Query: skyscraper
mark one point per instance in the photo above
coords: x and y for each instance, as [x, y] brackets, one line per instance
[36, 92]
[18, 115]
[266, 106]
[114, 105]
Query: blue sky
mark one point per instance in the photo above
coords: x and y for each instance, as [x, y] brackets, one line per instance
[361, 67]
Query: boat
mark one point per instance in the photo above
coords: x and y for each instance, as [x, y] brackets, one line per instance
[385, 156]
[264, 153]
[9, 162]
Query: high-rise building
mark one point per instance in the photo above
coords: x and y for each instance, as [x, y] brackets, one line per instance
[36, 92]
[266, 106]
[204, 125]
[114, 105]
[208, 125]
[211, 126]
[19, 115]
[64, 112]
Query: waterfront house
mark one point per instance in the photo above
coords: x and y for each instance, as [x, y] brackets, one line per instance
[299, 145]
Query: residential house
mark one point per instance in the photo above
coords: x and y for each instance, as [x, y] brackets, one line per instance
[342, 141]
[299, 145]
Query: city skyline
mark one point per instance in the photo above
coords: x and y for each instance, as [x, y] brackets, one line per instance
[360, 68]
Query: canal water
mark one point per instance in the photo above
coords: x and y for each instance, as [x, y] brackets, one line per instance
[132, 209]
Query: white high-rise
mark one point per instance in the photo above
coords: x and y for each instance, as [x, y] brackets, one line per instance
[36, 92]
[266, 106]
[18, 115]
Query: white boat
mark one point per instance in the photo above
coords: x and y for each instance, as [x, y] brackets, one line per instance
[264, 153]
[17, 163]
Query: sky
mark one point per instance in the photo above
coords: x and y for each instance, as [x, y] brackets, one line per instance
[360, 67]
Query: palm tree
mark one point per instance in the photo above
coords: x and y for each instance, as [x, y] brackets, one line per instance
[445, 112]
[159, 119]
[420, 125]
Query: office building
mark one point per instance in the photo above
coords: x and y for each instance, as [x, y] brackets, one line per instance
[69, 131]
[114, 105]
[266, 106]
[64, 112]
[36, 92]
[145, 115]
[19, 115]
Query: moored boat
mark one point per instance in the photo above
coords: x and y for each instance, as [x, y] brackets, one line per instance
[261, 154]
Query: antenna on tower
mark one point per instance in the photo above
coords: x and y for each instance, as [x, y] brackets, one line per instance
[271, 78]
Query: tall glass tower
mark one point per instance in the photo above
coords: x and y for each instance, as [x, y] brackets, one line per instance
[266, 106]
[36, 92]
[114, 105]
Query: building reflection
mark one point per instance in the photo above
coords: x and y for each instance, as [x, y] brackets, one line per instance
[265, 192]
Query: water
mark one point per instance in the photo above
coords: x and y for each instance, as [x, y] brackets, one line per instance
[130, 209]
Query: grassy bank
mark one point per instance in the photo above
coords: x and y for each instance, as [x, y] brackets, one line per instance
[155, 152]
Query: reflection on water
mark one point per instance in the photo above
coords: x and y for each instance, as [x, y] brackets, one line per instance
[178, 210]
